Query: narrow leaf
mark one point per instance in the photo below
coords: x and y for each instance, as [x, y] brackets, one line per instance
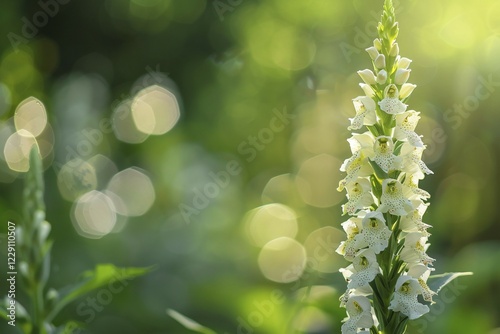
[102, 275]
[376, 186]
[189, 323]
[70, 327]
[378, 171]
[437, 282]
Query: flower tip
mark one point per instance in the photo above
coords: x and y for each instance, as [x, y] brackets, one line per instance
[373, 52]
[394, 50]
[367, 76]
[406, 90]
[404, 63]
[401, 76]
[381, 77]
[380, 61]
[367, 89]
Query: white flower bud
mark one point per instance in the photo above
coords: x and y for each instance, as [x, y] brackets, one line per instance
[373, 52]
[377, 44]
[381, 77]
[24, 270]
[394, 50]
[43, 231]
[367, 89]
[380, 61]
[404, 63]
[401, 76]
[406, 90]
[367, 76]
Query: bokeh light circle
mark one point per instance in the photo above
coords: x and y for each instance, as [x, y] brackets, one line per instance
[321, 245]
[17, 149]
[31, 116]
[155, 110]
[133, 193]
[124, 126]
[269, 222]
[93, 215]
[282, 260]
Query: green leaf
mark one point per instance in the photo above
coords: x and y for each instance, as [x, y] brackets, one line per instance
[397, 147]
[374, 129]
[189, 323]
[102, 275]
[437, 282]
[378, 171]
[376, 186]
[3, 312]
[70, 327]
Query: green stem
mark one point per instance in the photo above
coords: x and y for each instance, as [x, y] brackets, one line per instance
[32, 245]
[38, 319]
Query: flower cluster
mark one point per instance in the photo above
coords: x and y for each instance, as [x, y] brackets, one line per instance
[386, 237]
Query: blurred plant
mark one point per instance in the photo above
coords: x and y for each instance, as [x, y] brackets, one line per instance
[33, 258]
[386, 237]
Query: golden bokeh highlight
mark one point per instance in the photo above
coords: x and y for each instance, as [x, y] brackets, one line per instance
[93, 215]
[17, 149]
[321, 245]
[124, 126]
[155, 110]
[28, 127]
[281, 189]
[282, 260]
[30, 115]
[131, 192]
[46, 141]
[269, 222]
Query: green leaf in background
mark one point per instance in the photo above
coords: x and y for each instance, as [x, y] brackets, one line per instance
[102, 275]
[69, 327]
[437, 282]
[189, 323]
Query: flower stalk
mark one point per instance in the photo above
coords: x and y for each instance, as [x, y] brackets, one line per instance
[386, 238]
[34, 245]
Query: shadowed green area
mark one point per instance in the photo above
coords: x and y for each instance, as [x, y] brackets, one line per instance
[264, 90]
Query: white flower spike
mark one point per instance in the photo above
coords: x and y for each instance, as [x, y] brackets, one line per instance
[387, 239]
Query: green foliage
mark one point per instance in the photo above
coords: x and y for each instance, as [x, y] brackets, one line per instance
[34, 259]
[437, 282]
[230, 74]
[189, 323]
[102, 275]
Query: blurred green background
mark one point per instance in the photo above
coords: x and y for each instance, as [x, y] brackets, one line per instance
[230, 67]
